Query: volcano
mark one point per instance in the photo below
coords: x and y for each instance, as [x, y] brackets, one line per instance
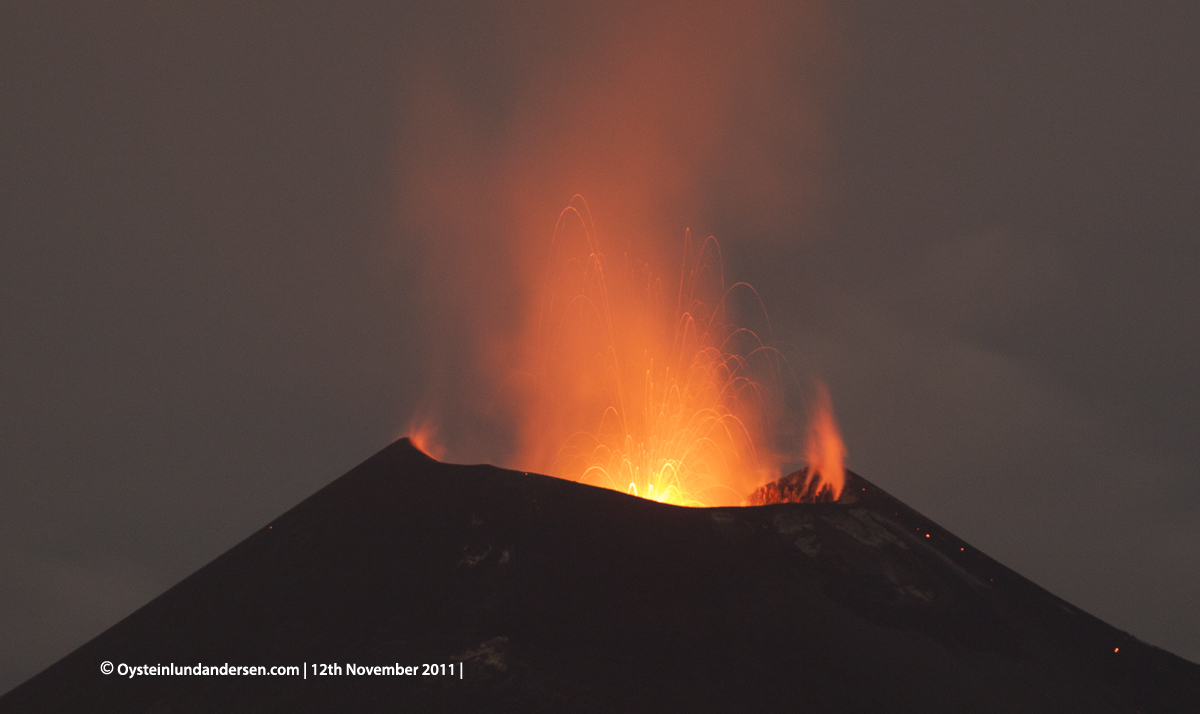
[529, 593]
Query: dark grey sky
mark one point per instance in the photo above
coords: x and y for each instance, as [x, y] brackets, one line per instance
[238, 246]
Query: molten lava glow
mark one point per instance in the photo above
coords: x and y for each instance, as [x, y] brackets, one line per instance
[823, 448]
[423, 433]
[647, 388]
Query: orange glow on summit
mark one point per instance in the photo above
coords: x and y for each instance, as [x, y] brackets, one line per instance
[423, 433]
[649, 388]
[823, 449]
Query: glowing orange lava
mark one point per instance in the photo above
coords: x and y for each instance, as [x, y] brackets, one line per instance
[647, 386]
[823, 448]
[650, 389]
[824, 479]
[423, 433]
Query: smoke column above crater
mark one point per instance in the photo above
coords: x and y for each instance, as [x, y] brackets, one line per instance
[664, 116]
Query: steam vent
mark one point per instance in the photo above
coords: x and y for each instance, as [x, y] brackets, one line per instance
[561, 597]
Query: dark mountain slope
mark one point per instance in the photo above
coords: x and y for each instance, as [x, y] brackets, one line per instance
[564, 597]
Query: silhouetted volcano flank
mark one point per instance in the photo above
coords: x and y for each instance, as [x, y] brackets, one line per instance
[565, 597]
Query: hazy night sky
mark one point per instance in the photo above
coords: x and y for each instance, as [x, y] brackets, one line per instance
[239, 246]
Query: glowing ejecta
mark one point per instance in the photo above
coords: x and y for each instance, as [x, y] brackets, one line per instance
[423, 433]
[823, 448]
